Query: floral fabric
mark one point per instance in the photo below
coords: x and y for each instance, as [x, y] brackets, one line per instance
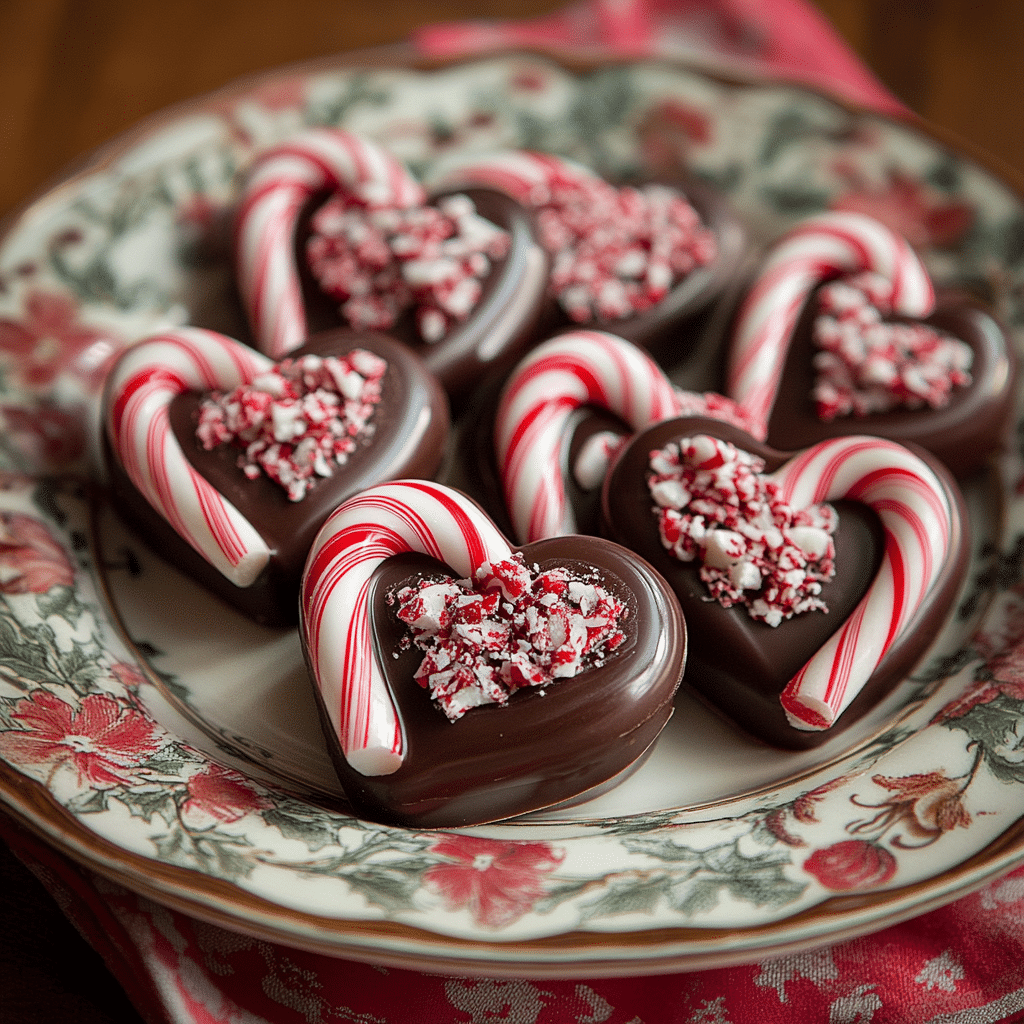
[961, 964]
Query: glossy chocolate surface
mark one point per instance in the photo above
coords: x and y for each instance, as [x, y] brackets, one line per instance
[410, 430]
[544, 746]
[962, 434]
[740, 665]
[500, 327]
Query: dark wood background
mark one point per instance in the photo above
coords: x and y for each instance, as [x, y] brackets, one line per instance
[74, 73]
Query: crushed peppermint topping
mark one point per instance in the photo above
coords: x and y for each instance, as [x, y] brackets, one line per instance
[299, 420]
[377, 261]
[717, 407]
[715, 505]
[618, 251]
[867, 365]
[510, 627]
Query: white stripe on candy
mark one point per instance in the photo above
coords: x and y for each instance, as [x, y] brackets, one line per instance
[819, 248]
[525, 176]
[280, 183]
[141, 388]
[402, 516]
[561, 375]
[920, 528]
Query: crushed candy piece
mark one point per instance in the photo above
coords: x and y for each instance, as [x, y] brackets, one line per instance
[299, 420]
[509, 627]
[716, 406]
[867, 365]
[618, 251]
[377, 261]
[715, 505]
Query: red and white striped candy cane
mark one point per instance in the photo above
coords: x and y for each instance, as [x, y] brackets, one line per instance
[141, 387]
[524, 175]
[280, 183]
[921, 526]
[559, 376]
[819, 248]
[401, 516]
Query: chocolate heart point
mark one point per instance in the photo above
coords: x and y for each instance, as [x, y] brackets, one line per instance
[234, 528]
[900, 552]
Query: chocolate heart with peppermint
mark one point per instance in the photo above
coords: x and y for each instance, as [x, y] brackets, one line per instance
[889, 581]
[395, 424]
[649, 261]
[544, 676]
[330, 214]
[492, 329]
[841, 318]
[962, 431]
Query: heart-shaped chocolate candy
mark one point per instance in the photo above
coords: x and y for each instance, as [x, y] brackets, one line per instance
[772, 356]
[400, 759]
[900, 553]
[962, 432]
[238, 534]
[284, 299]
[624, 237]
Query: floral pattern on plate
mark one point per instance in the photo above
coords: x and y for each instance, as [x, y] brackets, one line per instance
[138, 777]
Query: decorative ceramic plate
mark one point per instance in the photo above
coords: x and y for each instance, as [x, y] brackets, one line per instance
[148, 732]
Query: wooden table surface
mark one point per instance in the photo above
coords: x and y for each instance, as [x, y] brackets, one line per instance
[74, 73]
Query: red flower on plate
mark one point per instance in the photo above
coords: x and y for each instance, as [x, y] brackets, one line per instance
[1003, 652]
[909, 207]
[49, 339]
[31, 561]
[45, 434]
[851, 864]
[498, 882]
[130, 676]
[219, 794]
[670, 131]
[103, 739]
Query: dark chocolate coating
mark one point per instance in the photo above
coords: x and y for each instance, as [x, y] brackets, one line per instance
[501, 325]
[962, 433]
[545, 746]
[671, 329]
[740, 665]
[410, 429]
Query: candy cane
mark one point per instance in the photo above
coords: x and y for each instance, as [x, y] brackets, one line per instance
[280, 183]
[141, 387]
[526, 176]
[921, 527]
[405, 515]
[559, 376]
[817, 249]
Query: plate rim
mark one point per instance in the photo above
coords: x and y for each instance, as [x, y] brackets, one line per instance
[964, 877]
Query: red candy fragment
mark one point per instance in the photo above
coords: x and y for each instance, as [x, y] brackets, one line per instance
[714, 505]
[618, 251]
[299, 420]
[509, 627]
[377, 261]
[868, 365]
